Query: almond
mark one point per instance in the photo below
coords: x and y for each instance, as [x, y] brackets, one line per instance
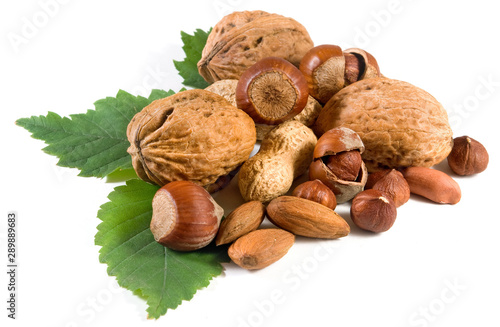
[260, 248]
[306, 218]
[242, 220]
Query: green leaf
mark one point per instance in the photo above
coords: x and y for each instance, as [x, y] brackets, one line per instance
[94, 142]
[188, 69]
[164, 278]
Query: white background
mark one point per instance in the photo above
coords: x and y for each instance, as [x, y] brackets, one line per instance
[437, 266]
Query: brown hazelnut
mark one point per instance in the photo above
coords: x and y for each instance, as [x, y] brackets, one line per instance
[333, 161]
[345, 165]
[316, 191]
[185, 216]
[374, 177]
[468, 156]
[373, 210]
[392, 183]
[272, 91]
[328, 69]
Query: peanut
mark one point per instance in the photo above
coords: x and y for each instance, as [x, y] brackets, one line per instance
[285, 153]
[432, 184]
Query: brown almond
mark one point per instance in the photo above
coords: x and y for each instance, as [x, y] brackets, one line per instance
[306, 218]
[432, 184]
[242, 220]
[260, 248]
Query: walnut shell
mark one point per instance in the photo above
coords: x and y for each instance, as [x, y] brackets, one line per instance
[400, 125]
[240, 39]
[194, 135]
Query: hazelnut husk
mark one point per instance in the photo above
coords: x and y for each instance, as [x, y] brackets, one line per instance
[468, 156]
[337, 163]
[373, 210]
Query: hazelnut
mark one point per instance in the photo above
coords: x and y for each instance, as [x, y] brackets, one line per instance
[468, 156]
[345, 165]
[185, 216]
[337, 163]
[392, 183]
[316, 191]
[373, 210]
[272, 91]
[328, 69]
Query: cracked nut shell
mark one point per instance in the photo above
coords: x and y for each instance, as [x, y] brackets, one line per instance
[338, 142]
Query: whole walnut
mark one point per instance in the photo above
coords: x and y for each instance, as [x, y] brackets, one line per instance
[400, 124]
[240, 39]
[194, 135]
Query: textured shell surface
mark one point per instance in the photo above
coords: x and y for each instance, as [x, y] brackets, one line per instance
[400, 124]
[284, 154]
[193, 135]
[240, 39]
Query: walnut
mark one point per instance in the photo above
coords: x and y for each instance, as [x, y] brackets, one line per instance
[193, 135]
[400, 125]
[240, 39]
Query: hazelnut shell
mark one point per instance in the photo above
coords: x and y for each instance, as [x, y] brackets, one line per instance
[316, 191]
[343, 190]
[371, 69]
[337, 140]
[185, 216]
[332, 142]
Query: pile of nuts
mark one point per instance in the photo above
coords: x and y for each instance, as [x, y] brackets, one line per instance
[361, 137]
